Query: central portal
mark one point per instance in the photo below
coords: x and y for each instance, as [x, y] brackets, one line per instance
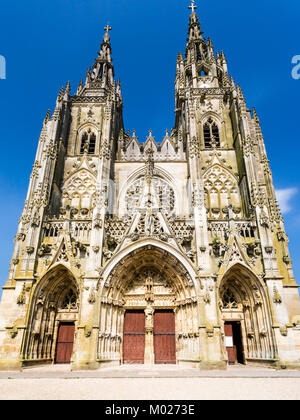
[149, 311]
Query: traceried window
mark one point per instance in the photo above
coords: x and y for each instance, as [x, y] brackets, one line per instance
[229, 300]
[70, 301]
[211, 134]
[88, 143]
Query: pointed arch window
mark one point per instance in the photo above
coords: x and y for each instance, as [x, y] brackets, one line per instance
[88, 143]
[199, 57]
[211, 134]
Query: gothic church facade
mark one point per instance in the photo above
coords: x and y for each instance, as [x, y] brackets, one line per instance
[152, 252]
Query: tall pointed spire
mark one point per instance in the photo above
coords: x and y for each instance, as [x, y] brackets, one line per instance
[101, 75]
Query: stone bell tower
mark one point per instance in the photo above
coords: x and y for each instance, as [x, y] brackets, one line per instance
[236, 214]
[65, 206]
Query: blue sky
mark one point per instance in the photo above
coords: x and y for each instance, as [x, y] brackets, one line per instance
[47, 43]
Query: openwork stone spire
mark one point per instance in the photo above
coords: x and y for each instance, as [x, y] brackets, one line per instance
[100, 78]
[194, 31]
[105, 53]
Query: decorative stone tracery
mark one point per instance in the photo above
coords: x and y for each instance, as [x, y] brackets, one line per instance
[221, 191]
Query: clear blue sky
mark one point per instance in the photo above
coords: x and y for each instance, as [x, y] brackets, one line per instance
[47, 43]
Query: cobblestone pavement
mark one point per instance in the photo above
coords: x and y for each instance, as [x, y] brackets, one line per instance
[150, 383]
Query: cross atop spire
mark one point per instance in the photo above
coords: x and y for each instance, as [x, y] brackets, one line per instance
[193, 7]
[106, 37]
[107, 28]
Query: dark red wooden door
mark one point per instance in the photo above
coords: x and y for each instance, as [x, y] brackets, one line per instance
[164, 337]
[134, 337]
[229, 344]
[65, 342]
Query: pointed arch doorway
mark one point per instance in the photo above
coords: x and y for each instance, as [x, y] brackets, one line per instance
[149, 311]
[52, 319]
[247, 325]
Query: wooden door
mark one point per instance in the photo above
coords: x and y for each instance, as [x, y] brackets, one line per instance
[231, 351]
[164, 337]
[134, 337]
[65, 342]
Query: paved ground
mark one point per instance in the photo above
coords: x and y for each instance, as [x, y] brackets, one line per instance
[156, 383]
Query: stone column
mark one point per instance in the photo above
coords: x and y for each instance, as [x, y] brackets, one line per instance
[212, 336]
[149, 340]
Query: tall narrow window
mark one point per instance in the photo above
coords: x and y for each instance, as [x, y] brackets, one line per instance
[92, 144]
[211, 134]
[88, 143]
[198, 52]
[83, 143]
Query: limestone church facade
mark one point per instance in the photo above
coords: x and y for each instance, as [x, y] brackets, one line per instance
[150, 252]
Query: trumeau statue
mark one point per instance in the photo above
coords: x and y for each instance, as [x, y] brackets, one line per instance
[175, 248]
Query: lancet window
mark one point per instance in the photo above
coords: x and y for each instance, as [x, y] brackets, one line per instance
[88, 143]
[211, 134]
